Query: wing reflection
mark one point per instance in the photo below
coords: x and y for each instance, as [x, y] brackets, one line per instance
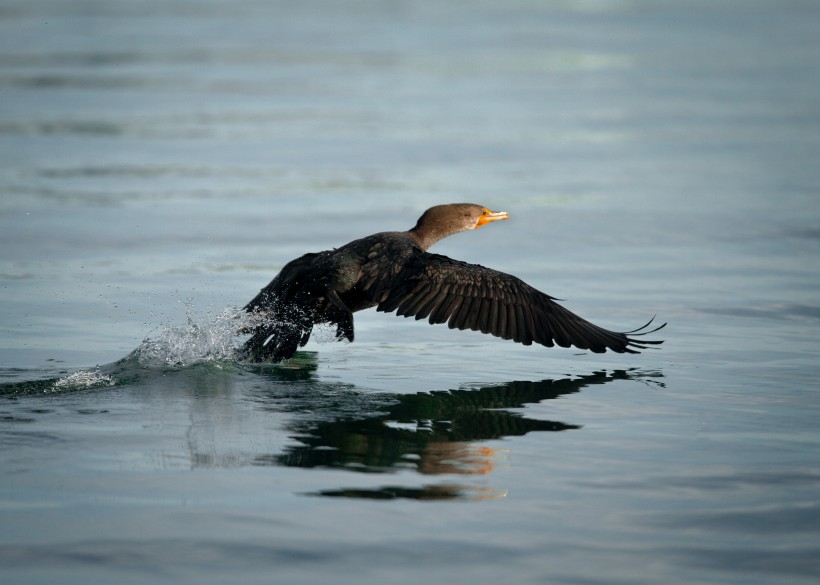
[432, 433]
[432, 492]
[429, 431]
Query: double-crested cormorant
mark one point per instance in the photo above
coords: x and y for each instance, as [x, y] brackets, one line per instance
[393, 271]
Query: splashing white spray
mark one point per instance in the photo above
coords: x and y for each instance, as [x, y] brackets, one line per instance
[216, 340]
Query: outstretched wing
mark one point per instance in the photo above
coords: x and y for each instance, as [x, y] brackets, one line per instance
[470, 296]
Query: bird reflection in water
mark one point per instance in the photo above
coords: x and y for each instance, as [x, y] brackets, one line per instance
[432, 433]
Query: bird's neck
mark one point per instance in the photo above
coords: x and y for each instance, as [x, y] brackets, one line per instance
[426, 236]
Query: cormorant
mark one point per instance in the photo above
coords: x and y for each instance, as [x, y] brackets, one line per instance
[393, 271]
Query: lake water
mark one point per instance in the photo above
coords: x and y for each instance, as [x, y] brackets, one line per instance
[160, 161]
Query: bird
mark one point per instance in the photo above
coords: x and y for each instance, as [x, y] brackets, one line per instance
[394, 272]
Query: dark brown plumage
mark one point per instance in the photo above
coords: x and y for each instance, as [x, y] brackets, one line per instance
[393, 271]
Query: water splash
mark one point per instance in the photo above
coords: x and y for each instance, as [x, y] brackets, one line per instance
[215, 340]
[212, 340]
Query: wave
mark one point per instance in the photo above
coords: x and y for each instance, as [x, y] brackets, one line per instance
[214, 340]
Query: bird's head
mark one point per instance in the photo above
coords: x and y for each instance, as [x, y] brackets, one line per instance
[456, 217]
[445, 220]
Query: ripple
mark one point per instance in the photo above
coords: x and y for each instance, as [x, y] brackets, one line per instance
[780, 312]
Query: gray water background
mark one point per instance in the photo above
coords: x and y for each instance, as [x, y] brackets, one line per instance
[160, 161]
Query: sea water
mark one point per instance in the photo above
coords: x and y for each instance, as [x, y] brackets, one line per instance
[160, 162]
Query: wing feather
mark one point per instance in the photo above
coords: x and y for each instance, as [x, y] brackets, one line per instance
[501, 325]
[483, 316]
[470, 296]
[492, 320]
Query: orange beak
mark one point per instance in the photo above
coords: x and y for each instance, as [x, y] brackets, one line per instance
[489, 216]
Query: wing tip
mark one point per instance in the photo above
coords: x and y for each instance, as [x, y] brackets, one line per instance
[634, 345]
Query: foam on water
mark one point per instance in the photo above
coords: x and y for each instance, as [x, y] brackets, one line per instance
[79, 380]
[82, 380]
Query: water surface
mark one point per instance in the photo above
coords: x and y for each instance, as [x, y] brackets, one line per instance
[160, 162]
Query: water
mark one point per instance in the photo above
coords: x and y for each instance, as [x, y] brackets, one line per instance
[159, 162]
